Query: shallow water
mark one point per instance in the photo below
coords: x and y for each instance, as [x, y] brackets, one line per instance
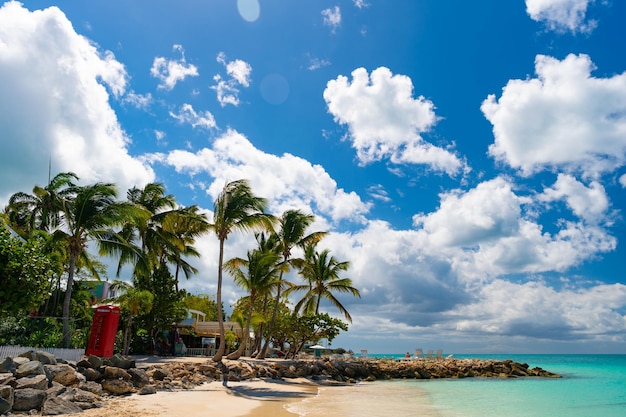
[592, 386]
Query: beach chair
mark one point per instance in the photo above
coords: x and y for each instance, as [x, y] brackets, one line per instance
[364, 354]
[419, 354]
[429, 355]
[439, 354]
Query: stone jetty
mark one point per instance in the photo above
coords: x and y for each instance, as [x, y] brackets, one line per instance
[37, 382]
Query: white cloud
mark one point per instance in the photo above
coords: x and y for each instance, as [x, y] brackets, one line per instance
[360, 3]
[487, 231]
[170, 72]
[332, 18]
[140, 101]
[55, 104]
[564, 118]
[561, 15]
[187, 114]
[622, 180]
[227, 89]
[316, 63]
[378, 192]
[589, 203]
[385, 121]
[286, 181]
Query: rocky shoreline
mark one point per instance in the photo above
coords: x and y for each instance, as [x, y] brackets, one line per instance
[36, 382]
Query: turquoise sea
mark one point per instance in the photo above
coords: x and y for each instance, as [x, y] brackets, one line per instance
[591, 386]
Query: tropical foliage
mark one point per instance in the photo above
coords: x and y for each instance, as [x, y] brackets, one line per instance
[48, 260]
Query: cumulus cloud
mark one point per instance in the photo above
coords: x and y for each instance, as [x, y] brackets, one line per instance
[187, 114]
[488, 230]
[360, 3]
[332, 18]
[565, 118]
[589, 203]
[561, 15]
[170, 72]
[385, 121]
[286, 181]
[55, 106]
[227, 89]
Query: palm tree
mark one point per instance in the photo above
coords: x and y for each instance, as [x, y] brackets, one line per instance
[292, 226]
[134, 301]
[42, 209]
[322, 274]
[181, 227]
[88, 215]
[258, 274]
[235, 208]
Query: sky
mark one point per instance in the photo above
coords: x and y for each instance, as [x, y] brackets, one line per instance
[468, 157]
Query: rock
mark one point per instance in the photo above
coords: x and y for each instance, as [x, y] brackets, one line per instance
[20, 360]
[6, 378]
[119, 361]
[79, 395]
[6, 393]
[8, 366]
[56, 406]
[30, 368]
[55, 390]
[160, 374]
[112, 372]
[39, 382]
[147, 389]
[45, 357]
[5, 406]
[139, 376]
[91, 386]
[117, 386]
[95, 361]
[90, 374]
[63, 374]
[28, 399]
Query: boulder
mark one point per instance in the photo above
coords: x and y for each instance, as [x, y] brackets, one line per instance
[91, 386]
[147, 389]
[6, 378]
[55, 390]
[8, 366]
[95, 361]
[117, 386]
[56, 406]
[5, 406]
[30, 368]
[119, 361]
[39, 382]
[28, 399]
[79, 396]
[90, 374]
[160, 374]
[6, 393]
[63, 374]
[45, 357]
[139, 376]
[20, 360]
[112, 372]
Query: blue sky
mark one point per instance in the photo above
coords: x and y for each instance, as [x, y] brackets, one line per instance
[469, 158]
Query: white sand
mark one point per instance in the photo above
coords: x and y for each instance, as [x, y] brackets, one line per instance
[249, 398]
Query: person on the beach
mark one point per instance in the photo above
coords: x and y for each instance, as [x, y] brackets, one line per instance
[408, 355]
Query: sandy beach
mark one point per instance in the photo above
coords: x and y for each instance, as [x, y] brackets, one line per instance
[240, 399]
[259, 397]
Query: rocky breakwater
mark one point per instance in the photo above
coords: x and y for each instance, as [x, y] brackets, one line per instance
[39, 383]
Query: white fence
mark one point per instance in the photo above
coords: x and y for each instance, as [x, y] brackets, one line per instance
[66, 354]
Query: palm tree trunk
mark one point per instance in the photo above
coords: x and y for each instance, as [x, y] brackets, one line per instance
[244, 337]
[270, 328]
[129, 325]
[220, 317]
[66, 301]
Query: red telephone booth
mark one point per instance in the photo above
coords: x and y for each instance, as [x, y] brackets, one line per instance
[103, 330]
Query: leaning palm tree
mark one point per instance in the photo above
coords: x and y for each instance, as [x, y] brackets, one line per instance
[40, 210]
[258, 274]
[290, 232]
[321, 271]
[235, 208]
[88, 215]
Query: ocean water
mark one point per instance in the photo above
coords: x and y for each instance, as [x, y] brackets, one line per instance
[591, 386]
